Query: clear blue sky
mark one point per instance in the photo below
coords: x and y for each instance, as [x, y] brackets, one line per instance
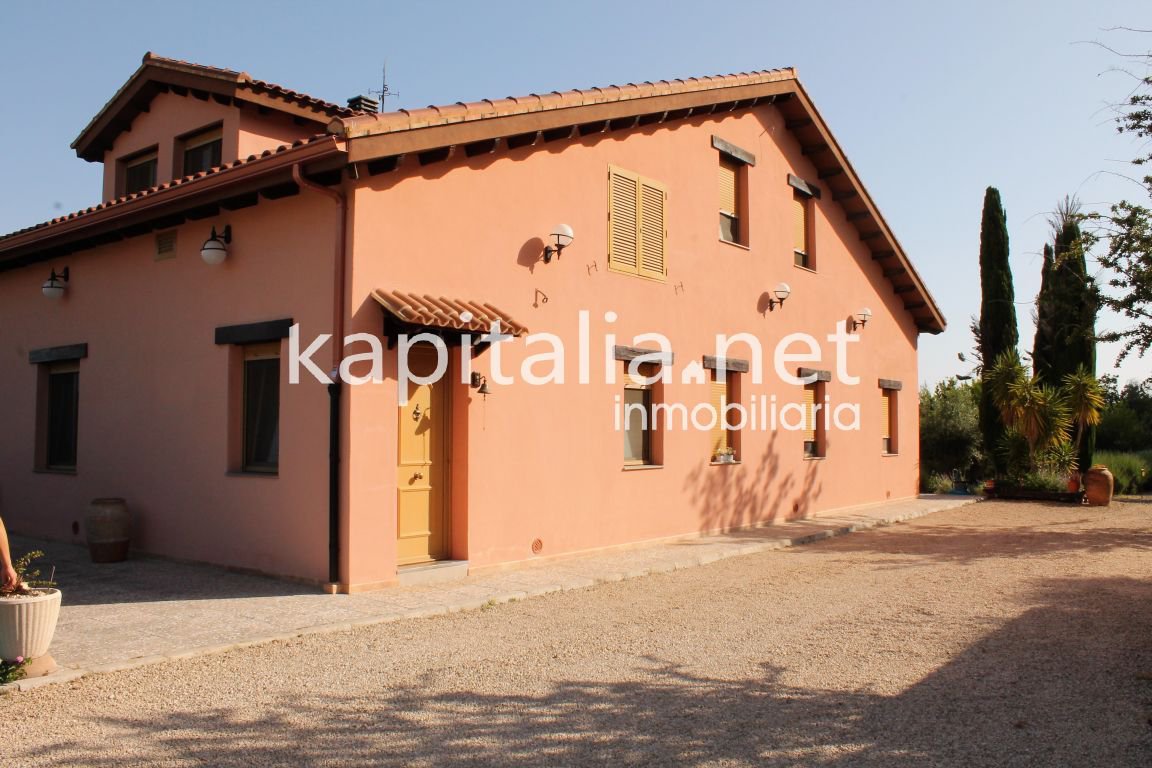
[932, 103]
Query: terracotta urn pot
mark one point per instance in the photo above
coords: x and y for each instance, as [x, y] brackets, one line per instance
[106, 527]
[1098, 485]
[27, 623]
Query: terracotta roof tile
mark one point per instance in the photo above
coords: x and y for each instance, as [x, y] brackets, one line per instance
[169, 185]
[441, 312]
[369, 123]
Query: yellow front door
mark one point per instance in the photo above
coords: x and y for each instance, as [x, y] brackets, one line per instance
[422, 472]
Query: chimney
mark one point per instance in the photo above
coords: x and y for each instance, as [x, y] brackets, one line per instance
[363, 104]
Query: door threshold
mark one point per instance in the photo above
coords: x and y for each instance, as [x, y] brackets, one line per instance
[436, 572]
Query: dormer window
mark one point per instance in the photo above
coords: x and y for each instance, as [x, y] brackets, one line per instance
[139, 172]
[202, 151]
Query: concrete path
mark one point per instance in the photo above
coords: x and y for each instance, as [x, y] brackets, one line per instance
[148, 610]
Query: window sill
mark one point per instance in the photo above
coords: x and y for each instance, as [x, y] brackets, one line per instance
[815, 458]
[733, 243]
[806, 269]
[724, 463]
[889, 455]
[241, 473]
[52, 471]
[641, 467]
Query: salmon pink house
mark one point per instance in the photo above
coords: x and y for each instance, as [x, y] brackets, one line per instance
[350, 347]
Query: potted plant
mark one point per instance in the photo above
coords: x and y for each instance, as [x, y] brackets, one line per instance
[725, 456]
[28, 615]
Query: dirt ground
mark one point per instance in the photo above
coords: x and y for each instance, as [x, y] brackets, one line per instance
[998, 634]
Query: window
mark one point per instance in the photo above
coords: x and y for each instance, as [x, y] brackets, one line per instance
[261, 417]
[725, 436]
[61, 412]
[636, 226]
[731, 200]
[641, 430]
[888, 400]
[637, 424]
[202, 151]
[140, 172]
[815, 442]
[802, 230]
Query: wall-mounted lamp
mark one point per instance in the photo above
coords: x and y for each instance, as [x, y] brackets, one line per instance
[215, 248]
[782, 291]
[480, 384]
[861, 319]
[562, 234]
[54, 286]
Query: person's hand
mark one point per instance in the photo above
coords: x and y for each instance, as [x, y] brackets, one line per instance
[10, 578]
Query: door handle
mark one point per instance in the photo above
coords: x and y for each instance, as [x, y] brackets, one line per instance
[418, 476]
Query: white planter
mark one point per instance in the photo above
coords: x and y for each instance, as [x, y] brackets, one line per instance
[27, 624]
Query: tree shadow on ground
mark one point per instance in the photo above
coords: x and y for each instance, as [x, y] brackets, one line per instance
[1067, 682]
[966, 544]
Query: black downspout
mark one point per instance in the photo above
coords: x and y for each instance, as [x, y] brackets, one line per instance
[334, 482]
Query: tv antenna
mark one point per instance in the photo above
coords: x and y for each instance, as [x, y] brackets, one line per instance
[385, 90]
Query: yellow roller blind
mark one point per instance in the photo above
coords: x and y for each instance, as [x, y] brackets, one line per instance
[810, 412]
[719, 436]
[885, 417]
[728, 186]
[800, 222]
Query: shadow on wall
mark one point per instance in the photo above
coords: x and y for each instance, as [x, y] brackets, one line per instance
[755, 492]
[1053, 686]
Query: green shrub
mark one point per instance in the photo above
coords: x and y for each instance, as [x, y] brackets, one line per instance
[938, 482]
[1131, 471]
[1146, 457]
[1042, 481]
[949, 431]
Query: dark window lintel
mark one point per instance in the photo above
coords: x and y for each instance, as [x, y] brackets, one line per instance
[734, 364]
[805, 187]
[58, 354]
[733, 151]
[253, 333]
[653, 355]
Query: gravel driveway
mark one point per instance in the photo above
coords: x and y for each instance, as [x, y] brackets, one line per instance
[994, 635]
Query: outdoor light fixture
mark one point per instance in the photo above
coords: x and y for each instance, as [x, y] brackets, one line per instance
[782, 291]
[862, 318]
[215, 248]
[53, 288]
[480, 384]
[562, 234]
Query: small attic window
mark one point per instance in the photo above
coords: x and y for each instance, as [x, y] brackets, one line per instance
[202, 150]
[139, 172]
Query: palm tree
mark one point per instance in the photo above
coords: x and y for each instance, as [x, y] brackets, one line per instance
[1085, 400]
[1039, 413]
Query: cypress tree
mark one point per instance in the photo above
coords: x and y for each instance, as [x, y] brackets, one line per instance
[998, 331]
[1044, 343]
[1066, 310]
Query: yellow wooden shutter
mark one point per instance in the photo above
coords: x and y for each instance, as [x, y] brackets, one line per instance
[623, 220]
[728, 186]
[719, 436]
[652, 231]
[885, 416]
[810, 412]
[800, 222]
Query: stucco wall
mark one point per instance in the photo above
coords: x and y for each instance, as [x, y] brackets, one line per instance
[546, 461]
[169, 116]
[154, 391]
